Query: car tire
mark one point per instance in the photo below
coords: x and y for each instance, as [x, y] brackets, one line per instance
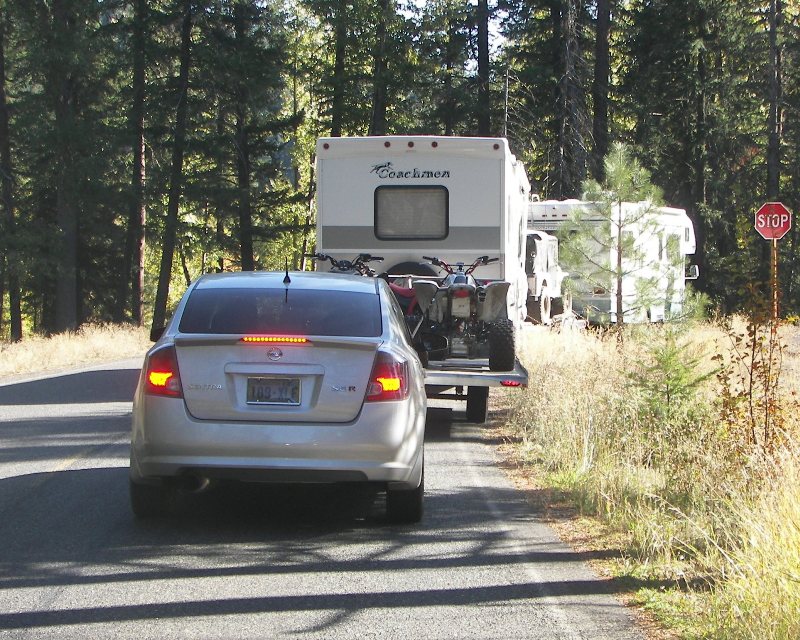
[477, 404]
[405, 506]
[149, 500]
[502, 351]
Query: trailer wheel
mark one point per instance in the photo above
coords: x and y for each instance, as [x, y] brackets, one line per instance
[413, 269]
[477, 404]
[501, 346]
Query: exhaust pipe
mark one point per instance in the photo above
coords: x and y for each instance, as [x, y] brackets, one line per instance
[194, 484]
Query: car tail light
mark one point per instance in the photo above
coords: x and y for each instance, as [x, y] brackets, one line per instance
[461, 293]
[162, 376]
[389, 379]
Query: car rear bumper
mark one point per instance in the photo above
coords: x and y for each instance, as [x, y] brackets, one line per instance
[383, 444]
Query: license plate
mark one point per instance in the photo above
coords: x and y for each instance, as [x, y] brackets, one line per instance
[284, 391]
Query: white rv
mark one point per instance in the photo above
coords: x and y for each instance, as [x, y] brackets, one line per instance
[663, 239]
[405, 197]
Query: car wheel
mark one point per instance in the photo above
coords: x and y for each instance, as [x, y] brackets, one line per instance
[149, 500]
[406, 505]
[477, 404]
[501, 346]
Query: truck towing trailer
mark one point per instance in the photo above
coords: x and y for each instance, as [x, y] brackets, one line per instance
[405, 197]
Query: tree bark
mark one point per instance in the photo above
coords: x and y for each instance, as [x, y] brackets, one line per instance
[484, 105]
[7, 192]
[176, 171]
[379, 78]
[243, 169]
[132, 280]
[602, 71]
[571, 142]
[775, 96]
[340, 49]
[64, 86]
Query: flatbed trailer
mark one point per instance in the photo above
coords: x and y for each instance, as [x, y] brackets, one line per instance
[469, 380]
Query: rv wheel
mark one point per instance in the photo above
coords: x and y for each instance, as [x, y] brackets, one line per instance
[501, 346]
[477, 404]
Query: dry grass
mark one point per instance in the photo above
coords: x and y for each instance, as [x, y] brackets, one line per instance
[94, 343]
[650, 444]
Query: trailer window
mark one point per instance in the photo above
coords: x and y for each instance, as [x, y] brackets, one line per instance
[411, 213]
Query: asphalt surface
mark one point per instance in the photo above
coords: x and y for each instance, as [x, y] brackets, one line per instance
[268, 562]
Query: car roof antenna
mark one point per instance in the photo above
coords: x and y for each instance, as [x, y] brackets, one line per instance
[286, 281]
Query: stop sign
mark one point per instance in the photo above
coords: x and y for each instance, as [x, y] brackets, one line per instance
[773, 220]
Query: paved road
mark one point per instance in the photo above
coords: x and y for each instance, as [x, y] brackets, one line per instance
[266, 562]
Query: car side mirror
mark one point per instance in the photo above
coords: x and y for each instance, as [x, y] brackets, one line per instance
[156, 333]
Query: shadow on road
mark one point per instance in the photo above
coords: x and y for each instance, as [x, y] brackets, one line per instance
[87, 387]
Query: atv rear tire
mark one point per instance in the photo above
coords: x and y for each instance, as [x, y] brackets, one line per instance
[501, 346]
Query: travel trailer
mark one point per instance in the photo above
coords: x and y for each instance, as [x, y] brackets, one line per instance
[654, 276]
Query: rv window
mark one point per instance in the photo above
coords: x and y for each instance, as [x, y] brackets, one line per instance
[411, 213]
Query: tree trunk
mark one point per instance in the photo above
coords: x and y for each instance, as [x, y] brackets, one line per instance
[620, 309]
[775, 95]
[243, 169]
[65, 89]
[602, 71]
[571, 142]
[132, 280]
[449, 114]
[377, 126]
[7, 170]
[176, 172]
[484, 105]
[337, 100]
[699, 150]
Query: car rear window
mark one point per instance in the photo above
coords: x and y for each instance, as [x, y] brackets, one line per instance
[277, 311]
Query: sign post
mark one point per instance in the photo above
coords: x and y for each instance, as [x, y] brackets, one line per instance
[773, 221]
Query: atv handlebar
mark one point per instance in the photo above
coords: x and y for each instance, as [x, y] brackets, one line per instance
[478, 262]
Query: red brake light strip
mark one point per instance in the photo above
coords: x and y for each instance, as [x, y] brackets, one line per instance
[274, 339]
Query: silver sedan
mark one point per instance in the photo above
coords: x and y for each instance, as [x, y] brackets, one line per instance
[274, 377]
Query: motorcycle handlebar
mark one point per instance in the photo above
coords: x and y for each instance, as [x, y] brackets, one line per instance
[366, 257]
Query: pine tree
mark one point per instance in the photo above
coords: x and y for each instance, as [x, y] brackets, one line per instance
[601, 248]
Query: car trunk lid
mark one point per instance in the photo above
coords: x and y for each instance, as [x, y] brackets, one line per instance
[308, 379]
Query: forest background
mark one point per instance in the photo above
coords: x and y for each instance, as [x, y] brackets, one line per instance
[144, 142]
